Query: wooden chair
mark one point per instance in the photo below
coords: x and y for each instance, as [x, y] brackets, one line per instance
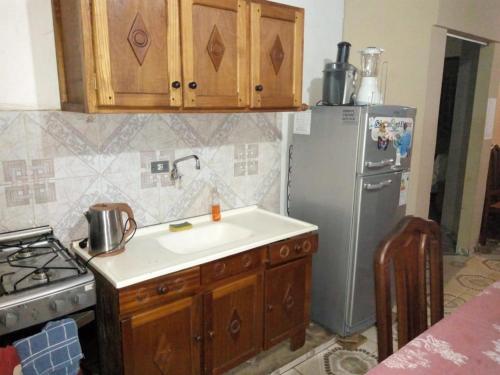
[492, 196]
[403, 257]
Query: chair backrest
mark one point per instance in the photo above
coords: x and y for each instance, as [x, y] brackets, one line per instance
[403, 257]
[494, 169]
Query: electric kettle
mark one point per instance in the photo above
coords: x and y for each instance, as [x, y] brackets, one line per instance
[108, 232]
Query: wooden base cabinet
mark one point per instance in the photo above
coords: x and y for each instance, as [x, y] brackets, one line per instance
[277, 34]
[164, 340]
[233, 323]
[285, 301]
[207, 319]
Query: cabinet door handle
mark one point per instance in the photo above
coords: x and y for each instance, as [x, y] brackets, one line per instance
[197, 338]
[192, 85]
[270, 307]
[298, 248]
[259, 88]
[211, 334]
[176, 84]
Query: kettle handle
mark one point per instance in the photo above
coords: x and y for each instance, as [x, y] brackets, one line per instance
[123, 207]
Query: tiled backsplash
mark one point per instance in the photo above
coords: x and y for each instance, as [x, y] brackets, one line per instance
[54, 165]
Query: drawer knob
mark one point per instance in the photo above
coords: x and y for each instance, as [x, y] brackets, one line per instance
[259, 88]
[211, 334]
[176, 84]
[192, 85]
[162, 289]
[298, 248]
[197, 338]
[284, 251]
[269, 307]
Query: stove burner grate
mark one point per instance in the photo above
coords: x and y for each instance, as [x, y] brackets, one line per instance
[46, 255]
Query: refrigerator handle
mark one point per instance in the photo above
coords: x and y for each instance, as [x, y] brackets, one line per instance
[379, 164]
[378, 186]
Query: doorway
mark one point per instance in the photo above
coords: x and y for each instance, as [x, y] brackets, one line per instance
[454, 124]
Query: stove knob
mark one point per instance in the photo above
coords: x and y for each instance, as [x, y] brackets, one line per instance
[79, 299]
[58, 305]
[9, 320]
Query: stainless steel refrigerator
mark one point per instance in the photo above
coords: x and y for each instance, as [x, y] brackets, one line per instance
[350, 176]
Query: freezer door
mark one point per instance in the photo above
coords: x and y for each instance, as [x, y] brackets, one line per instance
[385, 139]
[378, 209]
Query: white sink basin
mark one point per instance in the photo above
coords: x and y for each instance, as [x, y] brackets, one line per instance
[203, 237]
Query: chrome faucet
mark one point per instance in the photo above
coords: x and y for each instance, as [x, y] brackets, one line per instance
[174, 174]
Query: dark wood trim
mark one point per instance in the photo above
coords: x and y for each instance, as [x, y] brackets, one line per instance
[108, 327]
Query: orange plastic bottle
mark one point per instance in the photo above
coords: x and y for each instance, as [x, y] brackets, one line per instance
[215, 205]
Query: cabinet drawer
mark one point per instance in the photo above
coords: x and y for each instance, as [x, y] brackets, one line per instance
[292, 248]
[233, 265]
[159, 290]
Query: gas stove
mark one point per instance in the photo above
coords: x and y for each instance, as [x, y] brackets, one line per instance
[39, 279]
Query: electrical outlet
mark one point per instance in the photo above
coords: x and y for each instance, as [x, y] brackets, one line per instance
[161, 166]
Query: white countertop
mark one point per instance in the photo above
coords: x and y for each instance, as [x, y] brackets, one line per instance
[144, 258]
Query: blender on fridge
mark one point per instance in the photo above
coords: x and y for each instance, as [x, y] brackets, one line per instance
[369, 91]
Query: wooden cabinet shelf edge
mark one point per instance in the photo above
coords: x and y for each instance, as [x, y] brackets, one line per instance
[178, 56]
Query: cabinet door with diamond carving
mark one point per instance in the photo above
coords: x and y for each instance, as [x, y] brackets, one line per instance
[164, 340]
[233, 323]
[286, 301]
[277, 33]
[137, 53]
[215, 53]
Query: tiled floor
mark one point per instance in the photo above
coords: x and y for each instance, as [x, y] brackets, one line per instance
[463, 278]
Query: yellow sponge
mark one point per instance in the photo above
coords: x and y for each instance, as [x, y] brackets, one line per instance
[180, 227]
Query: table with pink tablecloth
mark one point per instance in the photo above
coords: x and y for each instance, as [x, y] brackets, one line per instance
[466, 342]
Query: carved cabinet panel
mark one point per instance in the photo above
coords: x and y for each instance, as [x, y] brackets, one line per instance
[276, 55]
[215, 53]
[233, 323]
[137, 53]
[178, 55]
[286, 300]
[165, 340]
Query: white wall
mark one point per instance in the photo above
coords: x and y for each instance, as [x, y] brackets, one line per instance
[323, 30]
[28, 73]
[324, 22]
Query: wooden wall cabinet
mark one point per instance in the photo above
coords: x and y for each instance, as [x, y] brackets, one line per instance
[215, 53]
[178, 55]
[277, 34]
[207, 319]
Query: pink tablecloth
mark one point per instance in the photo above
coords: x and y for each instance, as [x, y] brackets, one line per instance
[466, 342]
